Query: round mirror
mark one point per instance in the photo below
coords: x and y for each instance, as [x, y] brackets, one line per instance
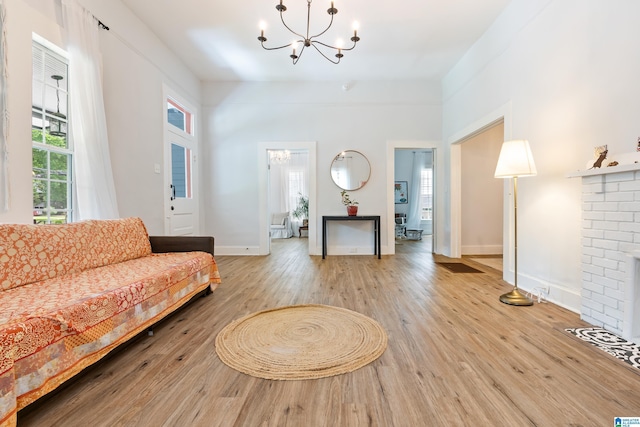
[350, 170]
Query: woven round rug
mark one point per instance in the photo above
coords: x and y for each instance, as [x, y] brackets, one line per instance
[300, 342]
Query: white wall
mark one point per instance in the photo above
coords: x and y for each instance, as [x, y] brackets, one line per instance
[135, 65]
[240, 116]
[567, 70]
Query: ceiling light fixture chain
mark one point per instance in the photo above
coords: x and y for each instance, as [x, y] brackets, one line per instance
[57, 124]
[307, 40]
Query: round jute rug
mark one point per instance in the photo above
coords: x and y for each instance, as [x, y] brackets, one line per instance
[300, 342]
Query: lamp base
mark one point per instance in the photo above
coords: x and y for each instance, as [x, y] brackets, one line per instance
[515, 297]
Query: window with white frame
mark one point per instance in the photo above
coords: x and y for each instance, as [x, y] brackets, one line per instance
[52, 153]
[426, 194]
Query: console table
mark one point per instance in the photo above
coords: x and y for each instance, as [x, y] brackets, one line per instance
[376, 230]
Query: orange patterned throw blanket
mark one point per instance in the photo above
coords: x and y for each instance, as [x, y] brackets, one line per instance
[71, 293]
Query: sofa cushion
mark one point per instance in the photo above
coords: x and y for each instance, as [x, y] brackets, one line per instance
[32, 253]
[78, 301]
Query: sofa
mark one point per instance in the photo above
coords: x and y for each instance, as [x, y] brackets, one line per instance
[71, 293]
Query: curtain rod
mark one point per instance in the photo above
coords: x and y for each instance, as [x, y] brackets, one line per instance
[101, 25]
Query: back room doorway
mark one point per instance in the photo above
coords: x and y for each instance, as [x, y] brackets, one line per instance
[482, 197]
[268, 205]
[414, 198]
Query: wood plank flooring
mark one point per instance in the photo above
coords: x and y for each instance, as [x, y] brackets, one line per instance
[456, 355]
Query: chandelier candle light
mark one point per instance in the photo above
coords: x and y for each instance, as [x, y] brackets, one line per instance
[310, 40]
[515, 160]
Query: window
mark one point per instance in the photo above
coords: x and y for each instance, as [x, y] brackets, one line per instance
[179, 117]
[52, 151]
[426, 194]
[181, 171]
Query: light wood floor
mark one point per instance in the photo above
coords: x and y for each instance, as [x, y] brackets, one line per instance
[456, 356]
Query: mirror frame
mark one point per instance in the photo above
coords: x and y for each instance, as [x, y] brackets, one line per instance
[362, 181]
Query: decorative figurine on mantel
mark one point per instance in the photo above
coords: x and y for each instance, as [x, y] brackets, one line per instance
[601, 155]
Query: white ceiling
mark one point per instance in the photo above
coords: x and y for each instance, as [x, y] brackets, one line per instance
[400, 40]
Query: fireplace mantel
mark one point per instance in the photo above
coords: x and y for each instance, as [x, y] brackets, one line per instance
[605, 171]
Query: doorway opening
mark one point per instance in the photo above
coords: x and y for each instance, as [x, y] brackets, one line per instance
[181, 167]
[287, 171]
[288, 194]
[401, 170]
[482, 197]
[413, 193]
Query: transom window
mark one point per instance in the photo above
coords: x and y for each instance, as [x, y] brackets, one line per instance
[179, 117]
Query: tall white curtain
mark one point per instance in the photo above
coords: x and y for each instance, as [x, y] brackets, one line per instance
[96, 194]
[414, 214]
[4, 116]
[298, 182]
[294, 179]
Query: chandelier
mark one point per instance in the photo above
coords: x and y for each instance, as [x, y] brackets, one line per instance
[279, 156]
[310, 40]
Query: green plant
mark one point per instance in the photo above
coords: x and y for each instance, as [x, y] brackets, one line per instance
[346, 200]
[302, 211]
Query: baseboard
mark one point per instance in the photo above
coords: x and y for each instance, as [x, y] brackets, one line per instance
[482, 250]
[237, 250]
[557, 294]
[345, 250]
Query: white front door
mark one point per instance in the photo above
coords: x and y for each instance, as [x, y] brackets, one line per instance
[181, 169]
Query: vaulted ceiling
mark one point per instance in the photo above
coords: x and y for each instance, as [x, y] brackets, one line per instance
[400, 40]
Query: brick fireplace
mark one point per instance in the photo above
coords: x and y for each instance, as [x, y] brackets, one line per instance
[611, 249]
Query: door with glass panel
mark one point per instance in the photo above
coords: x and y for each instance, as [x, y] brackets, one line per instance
[181, 175]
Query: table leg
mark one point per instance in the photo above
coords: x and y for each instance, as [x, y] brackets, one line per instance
[324, 237]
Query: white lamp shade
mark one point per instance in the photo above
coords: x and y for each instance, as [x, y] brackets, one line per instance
[515, 160]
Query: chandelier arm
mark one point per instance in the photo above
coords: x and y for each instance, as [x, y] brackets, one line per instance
[325, 30]
[295, 60]
[313, 43]
[280, 47]
[287, 27]
[334, 47]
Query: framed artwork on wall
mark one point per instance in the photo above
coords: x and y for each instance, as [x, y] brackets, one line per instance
[400, 192]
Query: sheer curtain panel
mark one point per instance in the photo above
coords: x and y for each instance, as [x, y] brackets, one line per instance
[4, 119]
[95, 189]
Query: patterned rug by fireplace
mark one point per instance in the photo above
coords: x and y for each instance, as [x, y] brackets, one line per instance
[611, 343]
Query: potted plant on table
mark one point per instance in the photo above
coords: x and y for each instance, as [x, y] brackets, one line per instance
[302, 211]
[352, 209]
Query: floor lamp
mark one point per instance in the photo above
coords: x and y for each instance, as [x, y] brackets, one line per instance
[515, 161]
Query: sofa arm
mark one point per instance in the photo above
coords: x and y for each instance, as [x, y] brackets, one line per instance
[160, 244]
